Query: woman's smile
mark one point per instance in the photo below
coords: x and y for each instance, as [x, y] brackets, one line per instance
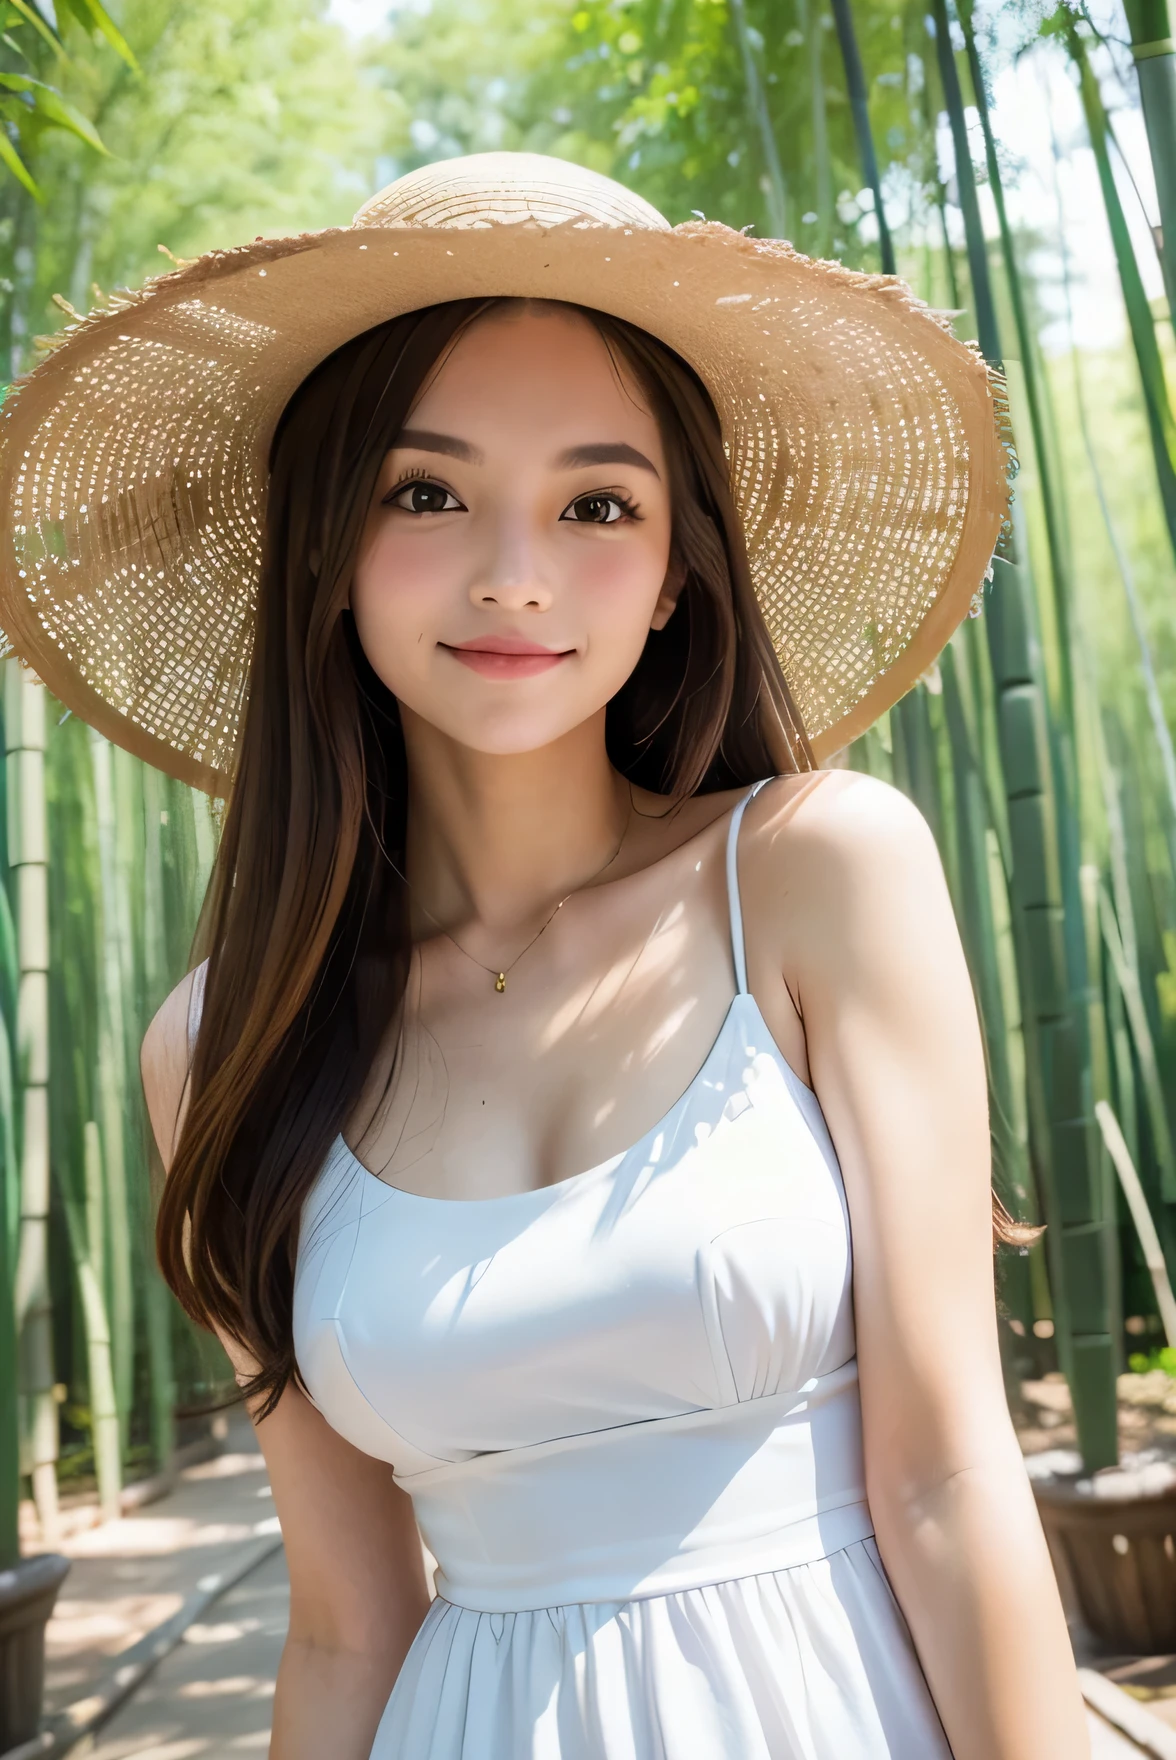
[506, 657]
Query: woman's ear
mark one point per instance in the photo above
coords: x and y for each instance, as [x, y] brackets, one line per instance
[671, 591]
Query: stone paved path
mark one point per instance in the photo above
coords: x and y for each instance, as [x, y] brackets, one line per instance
[211, 1698]
[128, 1576]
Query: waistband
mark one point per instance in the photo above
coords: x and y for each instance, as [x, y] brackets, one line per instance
[651, 1508]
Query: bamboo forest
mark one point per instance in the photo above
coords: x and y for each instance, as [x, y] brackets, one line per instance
[1015, 162]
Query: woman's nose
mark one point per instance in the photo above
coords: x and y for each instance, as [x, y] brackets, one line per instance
[512, 580]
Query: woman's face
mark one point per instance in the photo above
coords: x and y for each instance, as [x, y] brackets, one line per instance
[516, 551]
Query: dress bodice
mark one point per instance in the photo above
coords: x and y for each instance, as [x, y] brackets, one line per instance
[706, 1265]
[698, 1284]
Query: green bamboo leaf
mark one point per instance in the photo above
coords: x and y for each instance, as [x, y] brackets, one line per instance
[51, 107]
[1139, 317]
[10, 157]
[93, 17]
[40, 25]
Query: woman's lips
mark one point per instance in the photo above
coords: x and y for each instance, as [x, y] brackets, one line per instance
[505, 658]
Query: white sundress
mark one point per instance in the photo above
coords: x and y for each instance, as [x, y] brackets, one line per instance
[626, 1409]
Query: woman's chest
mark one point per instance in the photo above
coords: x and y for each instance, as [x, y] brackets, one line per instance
[599, 1031]
[708, 1264]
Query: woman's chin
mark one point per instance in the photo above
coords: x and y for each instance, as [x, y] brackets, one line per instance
[501, 735]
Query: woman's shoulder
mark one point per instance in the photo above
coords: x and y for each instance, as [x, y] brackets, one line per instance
[165, 1056]
[835, 843]
[843, 815]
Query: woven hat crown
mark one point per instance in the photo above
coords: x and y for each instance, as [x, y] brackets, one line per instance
[495, 189]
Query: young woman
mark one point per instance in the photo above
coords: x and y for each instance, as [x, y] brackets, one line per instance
[561, 1020]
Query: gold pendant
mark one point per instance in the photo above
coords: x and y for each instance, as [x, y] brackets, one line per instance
[500, 982]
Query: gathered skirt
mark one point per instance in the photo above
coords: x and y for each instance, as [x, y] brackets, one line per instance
[811, 1663]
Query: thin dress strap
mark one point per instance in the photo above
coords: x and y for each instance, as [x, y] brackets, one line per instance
[196, 1004]
[733, 904]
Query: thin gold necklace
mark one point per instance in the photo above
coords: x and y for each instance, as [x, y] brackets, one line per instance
[500, 976]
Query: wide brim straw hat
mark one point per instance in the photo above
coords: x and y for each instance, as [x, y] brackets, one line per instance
[868, 450]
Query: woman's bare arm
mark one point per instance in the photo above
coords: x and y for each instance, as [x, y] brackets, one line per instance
[357, 1578]
[895, 1052]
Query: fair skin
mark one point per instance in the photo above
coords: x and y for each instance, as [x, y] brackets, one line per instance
[541, 513]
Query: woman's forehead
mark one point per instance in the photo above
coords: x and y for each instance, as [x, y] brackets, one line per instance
[537, 369]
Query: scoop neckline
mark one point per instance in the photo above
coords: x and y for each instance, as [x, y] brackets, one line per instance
[611, 1162]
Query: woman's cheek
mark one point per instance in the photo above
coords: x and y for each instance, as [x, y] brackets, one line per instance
[398, 588]
[617, 606]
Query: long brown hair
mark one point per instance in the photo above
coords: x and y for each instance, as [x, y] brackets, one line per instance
[306, 922]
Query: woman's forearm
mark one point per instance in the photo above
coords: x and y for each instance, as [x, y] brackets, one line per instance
[329, 1702]
[968, 1562]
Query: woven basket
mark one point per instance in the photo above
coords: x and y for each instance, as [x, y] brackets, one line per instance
[1117, 1559]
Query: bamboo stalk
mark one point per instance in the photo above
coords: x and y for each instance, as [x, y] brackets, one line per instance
[112, 1088]
[9, 986]
[1161, 424]
[204, 833]
[859, 105]
[9, 1409]
[1127, 1101]
[104, 1417]
[1155, 67]
[809, 18]
[1054, 523]
[155, 985]
[1145, 1228]
[916, 759]
[1155, 704]
[95, 1206]
[1127, 978]
[982, 300]
[978, 699]
[28, 854]
[978, 920]
[774, 186]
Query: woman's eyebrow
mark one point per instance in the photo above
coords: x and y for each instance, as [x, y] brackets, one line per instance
[604, 452]
[574, 458]
[421, 440]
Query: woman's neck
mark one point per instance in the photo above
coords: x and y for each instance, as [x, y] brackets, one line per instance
[497, 839]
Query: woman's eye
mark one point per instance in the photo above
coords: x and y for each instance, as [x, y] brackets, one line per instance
[597, 510]
[423, 498]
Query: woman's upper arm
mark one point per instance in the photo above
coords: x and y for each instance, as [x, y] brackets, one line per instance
[164, 1059]
[357, 1571]
[896, 1057]
[352, 1547]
